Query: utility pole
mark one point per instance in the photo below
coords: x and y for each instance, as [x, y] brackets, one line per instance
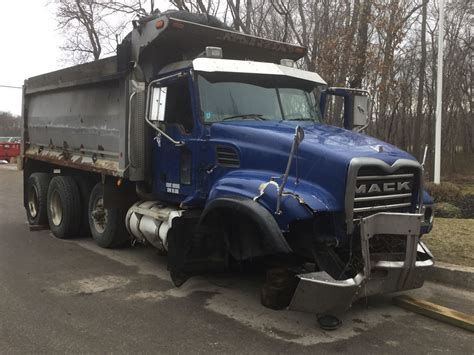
[439, 95]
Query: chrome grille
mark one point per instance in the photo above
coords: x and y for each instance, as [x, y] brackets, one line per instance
[376, 191]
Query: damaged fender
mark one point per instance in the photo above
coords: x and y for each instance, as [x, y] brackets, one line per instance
[300, 199]
[273, 240]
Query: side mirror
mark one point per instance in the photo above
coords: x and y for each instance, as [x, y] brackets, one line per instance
[356, 106]
[360, 111]
[158, 104]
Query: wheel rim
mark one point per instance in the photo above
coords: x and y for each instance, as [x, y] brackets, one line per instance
[99, 215]
[33, 201]
[56, 209]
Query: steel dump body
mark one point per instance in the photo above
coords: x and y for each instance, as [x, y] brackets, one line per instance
[78, 116]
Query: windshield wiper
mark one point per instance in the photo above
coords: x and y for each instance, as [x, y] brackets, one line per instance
[249, 115]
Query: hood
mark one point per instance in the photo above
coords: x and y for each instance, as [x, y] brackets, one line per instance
[322, 158]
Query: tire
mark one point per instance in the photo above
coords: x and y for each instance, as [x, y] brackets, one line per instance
[85, 187]
[64, 207]
[107, 225]
[36, 199]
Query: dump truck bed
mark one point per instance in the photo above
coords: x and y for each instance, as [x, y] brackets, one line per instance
[77, 117]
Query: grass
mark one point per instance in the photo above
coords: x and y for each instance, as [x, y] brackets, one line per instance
[464, 182]
[452, 241]
[467, 189]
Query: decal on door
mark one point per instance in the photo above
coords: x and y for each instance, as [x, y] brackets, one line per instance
[172, 188]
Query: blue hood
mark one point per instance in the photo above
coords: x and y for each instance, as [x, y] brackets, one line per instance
[322, 159]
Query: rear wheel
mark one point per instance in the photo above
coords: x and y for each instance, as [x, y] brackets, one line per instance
[85, 187]
[64, 207]
[107, 225]
[37, 194]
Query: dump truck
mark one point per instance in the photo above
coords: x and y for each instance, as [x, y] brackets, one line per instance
[211, 145]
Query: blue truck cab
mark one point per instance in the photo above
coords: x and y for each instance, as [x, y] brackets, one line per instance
[229, 160]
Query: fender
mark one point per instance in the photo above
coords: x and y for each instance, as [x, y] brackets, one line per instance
[273, 240]
[247, 184]
[427, 199]
[187, 258]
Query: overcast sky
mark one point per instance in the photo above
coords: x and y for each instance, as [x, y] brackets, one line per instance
[29, 46]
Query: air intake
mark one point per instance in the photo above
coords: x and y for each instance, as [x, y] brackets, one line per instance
[227, 157]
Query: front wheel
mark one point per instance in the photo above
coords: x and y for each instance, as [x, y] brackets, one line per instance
[107, 225]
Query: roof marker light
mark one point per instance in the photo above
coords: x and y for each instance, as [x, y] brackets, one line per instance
[287, 63]
[214, 52]
[159, 24]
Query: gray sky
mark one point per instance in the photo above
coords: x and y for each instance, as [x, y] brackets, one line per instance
[29, 46]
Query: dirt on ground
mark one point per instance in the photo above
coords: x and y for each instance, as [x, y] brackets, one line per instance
[452, 241]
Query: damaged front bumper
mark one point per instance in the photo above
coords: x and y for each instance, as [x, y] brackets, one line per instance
[318, 292]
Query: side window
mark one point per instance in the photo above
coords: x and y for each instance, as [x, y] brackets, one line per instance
[178, 105]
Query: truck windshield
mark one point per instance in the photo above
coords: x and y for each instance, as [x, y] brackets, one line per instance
[227, 96]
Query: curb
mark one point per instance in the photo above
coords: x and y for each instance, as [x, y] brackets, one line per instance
[453, 275]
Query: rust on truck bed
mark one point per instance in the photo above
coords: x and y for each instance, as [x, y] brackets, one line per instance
[93, 163]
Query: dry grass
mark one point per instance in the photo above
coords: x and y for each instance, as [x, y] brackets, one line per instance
[467, 189]
[464, 182]
[452, 241]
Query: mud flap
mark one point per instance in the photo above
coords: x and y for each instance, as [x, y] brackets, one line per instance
[188, 254]
[180, 241]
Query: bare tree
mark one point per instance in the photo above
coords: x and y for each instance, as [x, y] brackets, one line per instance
[79, 21]
[91, 28]
[421, 83]
[362, 42]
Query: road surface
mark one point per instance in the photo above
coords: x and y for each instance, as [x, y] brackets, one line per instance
[72, 296]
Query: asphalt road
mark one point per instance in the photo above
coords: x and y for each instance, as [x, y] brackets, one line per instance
[72, 296]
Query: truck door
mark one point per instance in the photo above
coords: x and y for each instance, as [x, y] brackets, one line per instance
[173, 148]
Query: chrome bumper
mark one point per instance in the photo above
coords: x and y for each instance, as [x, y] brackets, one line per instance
[318, 292]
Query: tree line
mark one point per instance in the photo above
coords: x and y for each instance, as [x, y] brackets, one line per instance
[386, 46]
[10, 125]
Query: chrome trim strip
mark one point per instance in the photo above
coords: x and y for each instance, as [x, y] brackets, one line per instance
[385, 177]
[382, 197]
[382, 208]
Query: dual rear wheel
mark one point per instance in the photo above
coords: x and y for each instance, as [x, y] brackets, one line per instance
[72, 207]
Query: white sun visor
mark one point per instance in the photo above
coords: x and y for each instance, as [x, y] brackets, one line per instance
[248, 67]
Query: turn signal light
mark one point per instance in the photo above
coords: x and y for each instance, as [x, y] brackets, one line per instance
[159, 24]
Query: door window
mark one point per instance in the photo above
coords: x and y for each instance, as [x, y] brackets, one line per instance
[178, 106]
